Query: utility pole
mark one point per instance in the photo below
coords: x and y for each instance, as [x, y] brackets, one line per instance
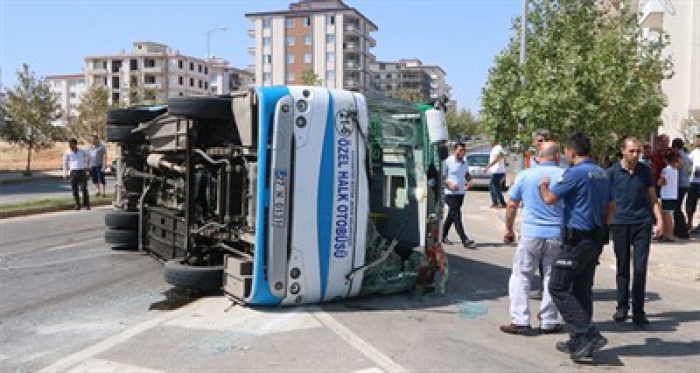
[523, 33]
[209, 39]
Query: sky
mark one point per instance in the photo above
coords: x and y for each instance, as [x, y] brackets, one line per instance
[53, 36]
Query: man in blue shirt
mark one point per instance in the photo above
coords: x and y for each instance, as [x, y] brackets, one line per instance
[632, 186]
[588, 208]
[540, 242]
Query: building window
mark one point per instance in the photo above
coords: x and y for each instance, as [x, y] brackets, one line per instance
[267, 58]
[181, 80]
[307, 21]
[290, 76]
[206, 69]
[330, 39]
[191, 66]
[199, 69]
[330, 57]
[199, 83]
[330, 76]
[191, 82]
[149, 79]
[180, 64]
[290, 22]
[72, 95]
[115, 97]
[307, 39]
[330, 20]
[290, 58]
[267, 22]
[149, 62]
[307, 58]
[290, 40]
[133, 64]
[104, 65]
[206, 85]
[267, 79]
[267, 41]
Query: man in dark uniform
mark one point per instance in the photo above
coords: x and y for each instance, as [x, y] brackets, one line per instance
[588, 208]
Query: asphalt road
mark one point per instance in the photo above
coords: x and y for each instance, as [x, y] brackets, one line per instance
[72, 304]
[32, 191]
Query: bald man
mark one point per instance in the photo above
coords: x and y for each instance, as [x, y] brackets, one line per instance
[540, 242]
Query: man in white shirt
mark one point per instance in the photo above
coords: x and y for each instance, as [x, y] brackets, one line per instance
[691, 203]
[497, 169]
[456, 180]
[75, 163]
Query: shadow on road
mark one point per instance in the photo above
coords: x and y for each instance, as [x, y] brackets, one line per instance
[174, 299]
[651, 347]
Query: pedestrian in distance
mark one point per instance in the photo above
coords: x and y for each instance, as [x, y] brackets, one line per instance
[657, 158]
[497, 169]
[680, 226]
[540, 242]
[539, 137]
[632, 186]
[97, 160]
[691, 203]
[457, 181]
[584, 189]
[75, 161]
[668, 181]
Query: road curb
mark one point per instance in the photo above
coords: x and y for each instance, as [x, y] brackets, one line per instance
[29, 179]
[43, 210]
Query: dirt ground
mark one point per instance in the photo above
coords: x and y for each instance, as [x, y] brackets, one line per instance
[14, 158]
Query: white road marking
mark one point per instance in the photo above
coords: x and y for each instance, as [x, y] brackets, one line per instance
[383, 361]
[99, 365]
[64, 364]
[370, 370]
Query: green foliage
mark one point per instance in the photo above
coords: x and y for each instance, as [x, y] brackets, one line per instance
[586, 70]
[92, 114]
[463, 123]
[311, 78]
[30, 107]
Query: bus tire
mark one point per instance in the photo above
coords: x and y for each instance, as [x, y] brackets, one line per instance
[213, 108]
[206, 279]
[122, 219]
[132, 116]
[122, 238]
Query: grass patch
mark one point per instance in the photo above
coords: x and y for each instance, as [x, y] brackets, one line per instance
[50, 203]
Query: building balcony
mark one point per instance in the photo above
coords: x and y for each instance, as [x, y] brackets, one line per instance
[352, 65]
[352, 28]
[652, 14]
[251, 51]
[251, 33]
[351, 83]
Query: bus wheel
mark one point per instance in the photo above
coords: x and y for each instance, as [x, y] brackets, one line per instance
[205, 279]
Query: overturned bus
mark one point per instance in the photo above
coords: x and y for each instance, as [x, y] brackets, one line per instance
[283, 195]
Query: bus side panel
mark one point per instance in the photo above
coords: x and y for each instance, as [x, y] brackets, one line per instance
[362, 192]
[267, 100]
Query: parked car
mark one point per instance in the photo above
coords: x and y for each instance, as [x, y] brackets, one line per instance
[480, 178]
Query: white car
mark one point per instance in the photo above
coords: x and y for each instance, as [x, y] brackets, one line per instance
[477, 162]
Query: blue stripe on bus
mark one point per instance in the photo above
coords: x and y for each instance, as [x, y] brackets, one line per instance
[325, 198]
[267, 98]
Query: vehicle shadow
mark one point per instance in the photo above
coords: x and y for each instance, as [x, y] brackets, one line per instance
[470, 282]
[175, 298]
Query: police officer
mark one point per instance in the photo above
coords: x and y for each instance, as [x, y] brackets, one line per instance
[588, 208]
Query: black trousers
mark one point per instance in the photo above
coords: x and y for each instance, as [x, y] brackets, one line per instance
[78, 180]
[454, 215]
[571, 282]
[680, 228]
[624, 238]
[691, 203]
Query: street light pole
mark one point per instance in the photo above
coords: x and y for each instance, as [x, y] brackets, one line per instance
[209, 39]
[523, 33]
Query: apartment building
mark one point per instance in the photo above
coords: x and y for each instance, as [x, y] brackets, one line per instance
[410, 79]
[324, 36]
[67, 90]
[156, 71]
[680, 20]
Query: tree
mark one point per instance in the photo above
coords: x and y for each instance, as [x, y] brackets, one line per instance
[92, 114]
[462, 123]
[587, 70]
[311, 78]
[30, 107]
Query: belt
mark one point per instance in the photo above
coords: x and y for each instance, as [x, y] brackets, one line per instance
[568, 234]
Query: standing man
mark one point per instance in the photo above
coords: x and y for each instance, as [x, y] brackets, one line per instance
[497, 169]
[540, 242]
[691, 204]
[456, 180]
[97, 157]
[588, 208]
[632, 187]
[75, 165]
[539, 137]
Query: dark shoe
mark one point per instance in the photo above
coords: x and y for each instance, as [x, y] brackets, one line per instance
[87, 207]
[446, 241]
[588, 345]
[620, 315]
[569, 346]
[640, 319]
[515, 329]
[556, 329]
[77, 207]
[469, 244]
[536, 294]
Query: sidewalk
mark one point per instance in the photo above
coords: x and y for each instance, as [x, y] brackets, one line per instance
[678, 261]
[17, 177]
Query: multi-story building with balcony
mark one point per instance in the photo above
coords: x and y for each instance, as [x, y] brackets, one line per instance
[67, 90]
[410, 79]
[326, 37]
[223, 78]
